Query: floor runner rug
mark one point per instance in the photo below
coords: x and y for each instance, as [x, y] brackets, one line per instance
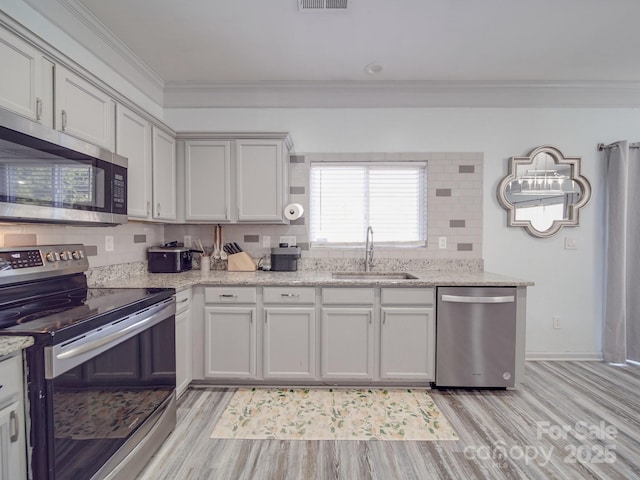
[333, 414]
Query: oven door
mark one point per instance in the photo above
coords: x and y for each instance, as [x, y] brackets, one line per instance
[104, 386]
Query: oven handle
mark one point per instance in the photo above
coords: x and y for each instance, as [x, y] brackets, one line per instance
[87, 347]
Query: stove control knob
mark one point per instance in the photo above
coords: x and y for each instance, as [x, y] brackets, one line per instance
[64, 256]
[77, 254]
[51, 257]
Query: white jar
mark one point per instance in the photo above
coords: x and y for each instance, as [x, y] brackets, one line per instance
[205, 263]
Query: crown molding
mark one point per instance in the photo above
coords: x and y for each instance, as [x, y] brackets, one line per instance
[84, 27]
[403, 94]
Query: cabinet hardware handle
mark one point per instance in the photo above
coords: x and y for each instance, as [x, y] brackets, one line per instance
[15, 431]
[64, 120]
[227, 295]
[370, 318]
[38, 108]
[289, 294]
[384, 318]
[158, 210]
[184, 300]
[148, 207]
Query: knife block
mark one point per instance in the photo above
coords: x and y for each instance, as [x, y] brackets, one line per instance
[241, 262]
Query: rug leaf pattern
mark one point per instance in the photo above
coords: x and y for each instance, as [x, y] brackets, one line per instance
[333, 414]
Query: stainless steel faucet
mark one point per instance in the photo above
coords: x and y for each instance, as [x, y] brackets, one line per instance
[368, 250]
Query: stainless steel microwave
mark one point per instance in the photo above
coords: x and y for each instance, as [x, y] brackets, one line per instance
[47, 176]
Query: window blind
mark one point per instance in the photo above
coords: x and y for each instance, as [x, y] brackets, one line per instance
[348, 197]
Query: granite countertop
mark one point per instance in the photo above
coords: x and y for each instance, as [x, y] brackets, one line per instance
[308, 278]
[9, 345]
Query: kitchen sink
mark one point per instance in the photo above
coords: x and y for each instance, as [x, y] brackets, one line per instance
[373, 276]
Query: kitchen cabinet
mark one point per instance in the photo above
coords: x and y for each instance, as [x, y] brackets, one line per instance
[234, 180]
[184, 341]
[164, 175]
[289, 333]
[26, 84]
[208, 181]
[83, 110]
[347, 346]
[133, 140]
[12, 425]
[407, 334]
[230, 333]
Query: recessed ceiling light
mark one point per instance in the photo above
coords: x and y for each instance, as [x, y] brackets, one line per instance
[373, 68]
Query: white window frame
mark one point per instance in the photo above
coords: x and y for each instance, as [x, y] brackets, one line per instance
[421, 226]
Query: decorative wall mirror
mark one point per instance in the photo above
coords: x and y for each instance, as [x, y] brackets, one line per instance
[544, 191]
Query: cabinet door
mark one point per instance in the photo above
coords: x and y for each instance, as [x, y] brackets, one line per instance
[290, 343]
[12, 426]
[133, 140]
[183, 351]
[208, 181]
[21, 76]
[407, 348]
[346, 351]
[164, 176]
[83, 110]
[260, 180]
[230, 342]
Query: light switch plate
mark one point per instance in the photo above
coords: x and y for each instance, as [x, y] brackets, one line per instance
[442, 242]
[570, 243]
[187, 241]
[266, 241]
[108, 243]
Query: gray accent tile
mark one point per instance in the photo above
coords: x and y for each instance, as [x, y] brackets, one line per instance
[296, 158]
[299, 221]
[304, 245]
[251, 238]
[91, 250]
[140, 238]
[466, 169]
[465, 247]
[296, 190]
[443, 192]
[457, 223]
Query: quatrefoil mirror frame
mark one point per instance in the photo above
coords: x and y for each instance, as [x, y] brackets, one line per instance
[544, 180]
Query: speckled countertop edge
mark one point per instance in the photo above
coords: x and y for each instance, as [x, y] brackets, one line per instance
[307, 278]
[10, 345]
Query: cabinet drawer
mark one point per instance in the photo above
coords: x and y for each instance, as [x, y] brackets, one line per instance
[407, 296]
[10, 378]
[230, 295]
[347, 296]
[183, 297]
[287, 295]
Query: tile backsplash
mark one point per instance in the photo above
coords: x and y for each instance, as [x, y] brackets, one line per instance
[454, 211]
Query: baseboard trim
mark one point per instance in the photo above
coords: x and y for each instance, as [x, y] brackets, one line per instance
[564, 356]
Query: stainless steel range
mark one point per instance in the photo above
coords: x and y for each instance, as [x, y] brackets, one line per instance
[101, 374]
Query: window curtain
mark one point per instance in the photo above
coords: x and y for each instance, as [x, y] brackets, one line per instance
[621, 339]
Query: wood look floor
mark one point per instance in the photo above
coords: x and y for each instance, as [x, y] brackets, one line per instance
[570, 420]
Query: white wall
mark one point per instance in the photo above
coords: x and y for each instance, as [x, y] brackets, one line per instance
[568, 282]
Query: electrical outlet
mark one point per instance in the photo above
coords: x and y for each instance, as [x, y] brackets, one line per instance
[266, 241]
[108, 243]
[556, 322]
[187, 241]
[288, 239]
[442, 242]
[570, 243]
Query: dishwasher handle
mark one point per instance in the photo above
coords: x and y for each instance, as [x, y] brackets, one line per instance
[466, 299]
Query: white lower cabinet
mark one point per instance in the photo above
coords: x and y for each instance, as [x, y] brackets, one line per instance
[12, 427]
[289, 343]
[407, 344]
[184, 341]
[346, 348]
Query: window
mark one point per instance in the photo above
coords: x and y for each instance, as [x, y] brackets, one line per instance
[347, 197]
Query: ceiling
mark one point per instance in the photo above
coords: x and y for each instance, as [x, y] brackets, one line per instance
[416, 42]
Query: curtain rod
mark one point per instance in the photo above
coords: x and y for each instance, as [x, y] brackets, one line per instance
[602, 146]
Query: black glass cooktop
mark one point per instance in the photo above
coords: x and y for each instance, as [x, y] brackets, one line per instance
[70, 312]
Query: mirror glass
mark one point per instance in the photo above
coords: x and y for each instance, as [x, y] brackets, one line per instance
[544, 191]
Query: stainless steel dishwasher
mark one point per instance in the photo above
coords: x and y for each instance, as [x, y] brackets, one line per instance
[476, 337]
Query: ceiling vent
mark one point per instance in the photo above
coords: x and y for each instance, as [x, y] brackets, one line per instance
[320, 6]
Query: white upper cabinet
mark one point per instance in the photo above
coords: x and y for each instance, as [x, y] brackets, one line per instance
[133, 140]
[259, 180]
[22, 88]
[208, 177]
[235, 180]
[164, 175]
[83, 110]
